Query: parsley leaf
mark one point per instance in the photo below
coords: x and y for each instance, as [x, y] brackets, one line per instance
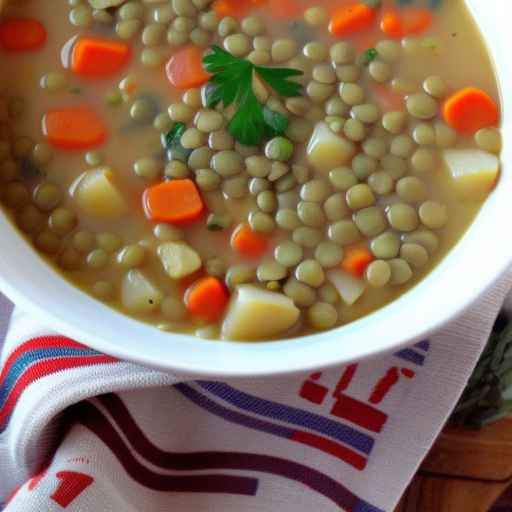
[172, 143]
[231, 83]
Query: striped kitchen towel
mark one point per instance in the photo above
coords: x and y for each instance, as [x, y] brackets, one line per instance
[83, 431]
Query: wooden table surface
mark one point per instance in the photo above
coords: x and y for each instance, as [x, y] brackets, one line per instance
[466, 471]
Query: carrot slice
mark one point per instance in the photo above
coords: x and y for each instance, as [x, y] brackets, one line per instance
[391, 24]
[405, 22]
[469, 110]
[185, 68]
[235, 8]
[99, 58]
[74, 128]
[207, 299]
[249, 243]
[22, 34]
[286, 9]
[176, 201]
[356, 259]
[416, 20]
[349, 19]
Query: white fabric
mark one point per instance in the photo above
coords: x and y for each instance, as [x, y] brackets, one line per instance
[119, 437]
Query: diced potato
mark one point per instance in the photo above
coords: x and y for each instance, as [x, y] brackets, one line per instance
[327, 150]
[179, 259]
[139, 294]
[255, 313]
[97, 195]
[474, 172]
[349, 287]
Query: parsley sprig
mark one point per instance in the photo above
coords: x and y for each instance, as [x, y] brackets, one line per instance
[231, 83]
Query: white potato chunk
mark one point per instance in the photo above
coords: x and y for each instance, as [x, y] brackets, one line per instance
[97, 195]
[327, 150]
[139, 294]
[179, 259]
[473, 172]
[254, 314]
[349, 287]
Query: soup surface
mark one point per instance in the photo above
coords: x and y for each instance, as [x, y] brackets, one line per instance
[245, 169]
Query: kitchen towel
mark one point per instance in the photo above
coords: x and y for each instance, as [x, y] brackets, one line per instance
[83, 431]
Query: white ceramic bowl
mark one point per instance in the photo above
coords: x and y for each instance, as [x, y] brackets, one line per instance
[476, 262]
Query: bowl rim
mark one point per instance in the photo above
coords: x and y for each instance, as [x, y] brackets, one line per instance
[64, 307]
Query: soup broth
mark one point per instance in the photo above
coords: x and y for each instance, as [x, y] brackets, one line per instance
[216, 197]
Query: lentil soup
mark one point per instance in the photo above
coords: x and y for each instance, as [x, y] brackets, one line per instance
[245, 169]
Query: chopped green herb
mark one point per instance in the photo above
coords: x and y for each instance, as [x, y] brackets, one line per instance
[367, 56]
[172, 143]
[232, 84]
[75, 90]
[217, 222]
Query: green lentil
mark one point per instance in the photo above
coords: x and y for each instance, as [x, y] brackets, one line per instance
[261, 222]
[370, 221]
[288, 253]
[300, 173]
[360, 196]
[381, 183]
[307, 236]
[239, 274]
[167, 233]
[54, 81]
[388, 50]
[69, 259]
[153, 34]
[322, 316]
[235, 188]
[200, 158]
[354, 130]
[400, 271]
[424, 135]
[279, 148]
[301, 294]
[147, 168]
[423, 237]
[352, 94]
[315, 51]
[489, 139]
[316, 190]
[227, 163]
[311, 214]
[287, 219]
[310, 272]
[433, 214]
[395, 166]
[335, 207]
[126, 29]
[348, 73]
[380, 71]
[84, 241]
[207, 180]
[266, 201]
[289, 199]
[342, 53]
[386, 245]
[97, 259]
[342, 178]
[421, 106]
[328, 293]
[109, 242]
[446, 137]
[402, 146]
[328, 254]
[258, 185]
[237, 44]
[378, 273]
[42, 154]
[47, 242]
[415, 255]
[227, 26]
[283, 50]
[403, 217]
[394, 122]
[344, 232]
[423, 160]
[271, 271]
[62, 221]
[81, 16]
[131, 256]
[47, 196]
[435, 86]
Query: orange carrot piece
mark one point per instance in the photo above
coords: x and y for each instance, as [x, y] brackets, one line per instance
[356, 259]
[286, 9]
[207, 299]
[185, 68]
[407, 21]
[74, 128]
[249, 243]
[391, 24]
[235, 8]
[187, 281]
[175, 201]
[469, 110]
[416, 20]
[350, 19]
[22, 34]
[99, 58]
